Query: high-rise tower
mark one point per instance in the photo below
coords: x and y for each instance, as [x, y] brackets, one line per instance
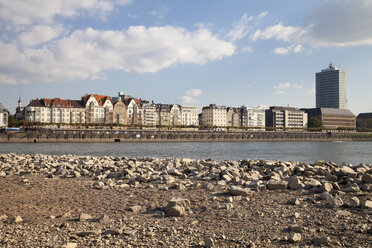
[331, 88]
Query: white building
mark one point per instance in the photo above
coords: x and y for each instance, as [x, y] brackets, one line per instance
[149, 115]
[256, 116]
[175, 115]
[55, 111]
[98, 108]
[3, 116]
[134, 111]
[190, 115]
[214, 115]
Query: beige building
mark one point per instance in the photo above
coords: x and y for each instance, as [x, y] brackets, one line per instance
[134, 111]
[163, 114]
[233, 117]
[120, 113]
[286, 117]
[149, 115]
[214, 115]
[3, 116]
[175, 115]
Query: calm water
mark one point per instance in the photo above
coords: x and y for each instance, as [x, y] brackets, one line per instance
[349, 152]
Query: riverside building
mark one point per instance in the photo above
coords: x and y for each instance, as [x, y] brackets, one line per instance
[3, 116]
[364, 120]
[332, 118]
[285, 117]
[331, 88]
[214, 115]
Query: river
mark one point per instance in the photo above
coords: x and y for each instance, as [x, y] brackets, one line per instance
[349, 152]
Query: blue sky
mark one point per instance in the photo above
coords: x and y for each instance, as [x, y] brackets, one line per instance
[189, 52]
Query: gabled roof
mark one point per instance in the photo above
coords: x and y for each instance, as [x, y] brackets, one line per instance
[365, 115]
[128, 99]
[101, 99]
[36, 103]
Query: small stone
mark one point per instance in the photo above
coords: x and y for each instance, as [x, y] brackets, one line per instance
[175, 211]
[367, 204]
[70, 245]
[98, 185]
[236, 190]
[337, 202]
[104, 219]
[129, 232]
[2, 174]
[295, 237]
[294, 201]
[321, 241]
[326, 196]
[208, 242]
[366, 178]
[274, 184]
[112, 232]
[84, 217]
[87, 233]
[134, 209]
[326, 187]
[348, 171]
[16, 219]
[3, 217]
[295, 228]
[354, 202]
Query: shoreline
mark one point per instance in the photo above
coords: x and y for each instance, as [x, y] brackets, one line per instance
[115, 201]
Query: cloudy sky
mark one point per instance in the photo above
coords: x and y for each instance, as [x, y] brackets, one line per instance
[190, 52]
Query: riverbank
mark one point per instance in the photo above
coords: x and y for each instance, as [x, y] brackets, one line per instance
[110, 136]
[79, 201]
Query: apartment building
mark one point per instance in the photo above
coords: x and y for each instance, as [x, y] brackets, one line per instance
[4, 114]
[175, 115]
[285, 117]
[149, 114]
[214, 115]
[163, 114]
[332, 117]
[134, 111]
[233, 117]
[55, 110]
[120, 112]
[189, 115]
[256, 117]
[98, 108]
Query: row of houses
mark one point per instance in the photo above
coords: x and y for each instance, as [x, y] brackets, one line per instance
[124, 109]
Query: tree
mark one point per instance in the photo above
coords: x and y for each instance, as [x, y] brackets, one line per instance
[315, 123]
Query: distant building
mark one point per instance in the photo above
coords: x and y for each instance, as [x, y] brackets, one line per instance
[175, 115]
[149, 114]
[120, 112]
[20, 111]
[4, 114]
[98, 108]
[163, 114]
[364, 120]
[256, 117]
[134, 111]
[189, 115]
[55, 110]
[233, 117]
[331, 88]
[285, 117]
[332, 118]
[214, 115]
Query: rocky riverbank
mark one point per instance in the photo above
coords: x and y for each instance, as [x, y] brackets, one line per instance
[82, 201]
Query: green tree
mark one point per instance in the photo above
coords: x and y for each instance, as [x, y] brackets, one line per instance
[315, 123]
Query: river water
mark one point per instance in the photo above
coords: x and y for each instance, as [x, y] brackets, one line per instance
[349, 152]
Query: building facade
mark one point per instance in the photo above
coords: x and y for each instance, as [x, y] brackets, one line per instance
[364, 120]
[332, 118]
[233, 117]
[4, 115]
[163, 114]
[256, 117]
[331, 88]
[214, 115]
[189, 115]
[175, 115]
[134, 111]
[55, 110]
[149, 115]
[98, 108]
[120, 113]
[285, 117]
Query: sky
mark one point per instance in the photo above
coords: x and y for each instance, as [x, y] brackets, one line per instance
[232, 53]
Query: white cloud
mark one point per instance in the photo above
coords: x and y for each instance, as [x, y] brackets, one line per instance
[194, 92]
[40, 34]
[20, 12]
[242, 27]
[247, 49]
[88, 53]
[332, 23]
[280, 92]
[286, 50]
[160, 13]
[5, 79]
[190, 95]
[287, 86]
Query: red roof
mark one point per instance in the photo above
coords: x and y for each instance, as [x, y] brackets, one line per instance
[100, 98]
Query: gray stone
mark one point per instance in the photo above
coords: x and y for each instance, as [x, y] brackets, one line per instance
[98, 185]
[84, 217]
[294, 201]
[87, 233]
[321, 241]
[367, 178]
[209, 242]
[175, 211]
[337, 202]
[2, 174]
[347, 171]
[236, 190]
[295, 228]
[16, 219]
[326, 187]
[104, 219]
[112, 232]
[295, 237]
[354, 202]
[134, 209]
[274, 184]
[326, 196]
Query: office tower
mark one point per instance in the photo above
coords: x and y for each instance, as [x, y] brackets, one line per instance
[331, 88]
